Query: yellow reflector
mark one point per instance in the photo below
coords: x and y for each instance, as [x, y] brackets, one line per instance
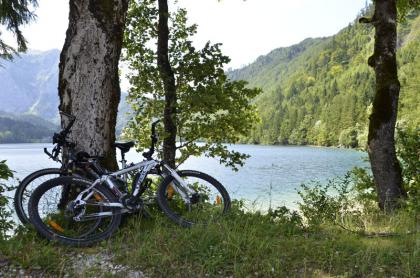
[170, 192]
[55, 226]
[218, 200]
[97, 196]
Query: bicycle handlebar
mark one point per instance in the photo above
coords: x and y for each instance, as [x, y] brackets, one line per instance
[154, 135]
[154, 138]
[60, 138]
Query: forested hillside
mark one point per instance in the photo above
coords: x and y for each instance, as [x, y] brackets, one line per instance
[320, 90]
[25, 129]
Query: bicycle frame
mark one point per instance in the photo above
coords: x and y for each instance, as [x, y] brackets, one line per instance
[144, 168]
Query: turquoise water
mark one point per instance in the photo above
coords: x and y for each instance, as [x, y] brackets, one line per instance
[281, 168]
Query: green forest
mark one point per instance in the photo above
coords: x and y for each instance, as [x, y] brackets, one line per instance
[319, 92]
[25, 129]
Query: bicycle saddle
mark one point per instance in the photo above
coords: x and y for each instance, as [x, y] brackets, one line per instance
[124, 146]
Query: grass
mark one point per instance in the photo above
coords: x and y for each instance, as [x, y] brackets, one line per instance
[241, 245]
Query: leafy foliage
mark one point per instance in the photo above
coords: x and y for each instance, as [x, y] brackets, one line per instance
[13, 14]
[325, 202]
[210, 107]
[320, 91]
[354, 195]
[405, 6]
[408, 150]
[408, 146]
[5, 222]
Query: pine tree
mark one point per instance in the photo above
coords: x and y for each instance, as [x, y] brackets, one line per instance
[13, 14]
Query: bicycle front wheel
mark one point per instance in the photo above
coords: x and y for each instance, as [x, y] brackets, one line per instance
[209, 202]
[56, 216]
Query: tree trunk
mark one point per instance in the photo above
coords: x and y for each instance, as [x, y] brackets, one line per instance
[381, 145]
[88, 79]
[168, 78]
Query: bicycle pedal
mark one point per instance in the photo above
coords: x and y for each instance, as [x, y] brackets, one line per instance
[131, 203]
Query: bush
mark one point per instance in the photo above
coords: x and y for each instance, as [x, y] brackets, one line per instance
[364, 186]
[290, 219]
[324, 203]
[408, 151]
[353, 200]
[5, 223]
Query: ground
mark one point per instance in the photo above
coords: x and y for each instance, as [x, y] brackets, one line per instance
[243, 244]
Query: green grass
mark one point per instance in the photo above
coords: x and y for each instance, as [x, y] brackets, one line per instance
[242, 245]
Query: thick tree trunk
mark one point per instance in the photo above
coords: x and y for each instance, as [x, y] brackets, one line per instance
[168, 78]
[381, 145]
[88, 78]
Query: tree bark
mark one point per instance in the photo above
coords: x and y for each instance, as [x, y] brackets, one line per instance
[381, 144]
[168, 78]
[88, 74]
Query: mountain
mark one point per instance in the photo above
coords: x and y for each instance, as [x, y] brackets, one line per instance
[28, 93]
[320, 90]
[29, 84]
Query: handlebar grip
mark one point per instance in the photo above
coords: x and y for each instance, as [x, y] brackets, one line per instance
[47, 153]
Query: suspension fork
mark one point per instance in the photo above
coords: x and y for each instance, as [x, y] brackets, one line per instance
[180, 186]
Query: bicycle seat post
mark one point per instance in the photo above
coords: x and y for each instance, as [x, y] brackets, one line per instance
[123, 165]
[124, 147]
[123, 160]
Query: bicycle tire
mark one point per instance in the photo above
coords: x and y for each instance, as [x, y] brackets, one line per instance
[19, 202]
[52, 235]
[165, 202]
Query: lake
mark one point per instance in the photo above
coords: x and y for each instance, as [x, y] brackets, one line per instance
[281, 168]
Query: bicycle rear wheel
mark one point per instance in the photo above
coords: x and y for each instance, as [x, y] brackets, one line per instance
[55, 216]
[208, 204]
[27, 186]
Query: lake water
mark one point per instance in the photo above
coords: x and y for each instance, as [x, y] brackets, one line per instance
[281, 168]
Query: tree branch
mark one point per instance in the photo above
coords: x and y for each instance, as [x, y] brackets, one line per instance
[186, 143]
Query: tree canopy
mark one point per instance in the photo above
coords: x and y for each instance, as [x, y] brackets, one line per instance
[210, 108]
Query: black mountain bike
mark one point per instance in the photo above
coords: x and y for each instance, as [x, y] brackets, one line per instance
[79, 164]
[94, 213]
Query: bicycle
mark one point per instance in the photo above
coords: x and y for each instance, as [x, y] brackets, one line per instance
[187, 197]
[79, 163]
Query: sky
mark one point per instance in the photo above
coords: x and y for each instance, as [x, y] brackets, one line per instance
[247, 29]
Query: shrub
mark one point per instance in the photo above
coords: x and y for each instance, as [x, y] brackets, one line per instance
[5, 223]
[326, 202]
[353, 199]
[287, 217]
[408, 151]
